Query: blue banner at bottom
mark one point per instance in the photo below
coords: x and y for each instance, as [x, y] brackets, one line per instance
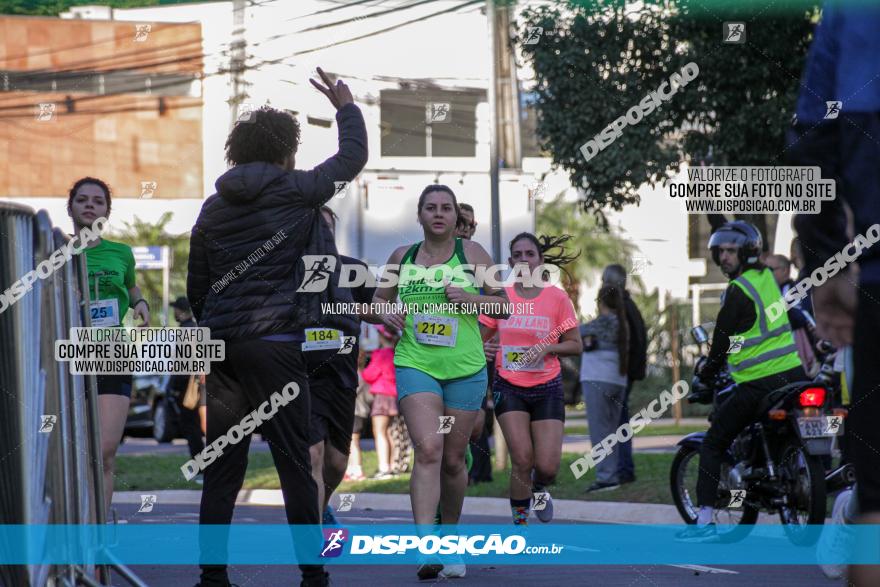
[566, 544]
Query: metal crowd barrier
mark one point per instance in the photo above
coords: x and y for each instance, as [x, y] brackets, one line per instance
[47, 476]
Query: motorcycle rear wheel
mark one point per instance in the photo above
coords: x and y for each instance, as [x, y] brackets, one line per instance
[804, 477]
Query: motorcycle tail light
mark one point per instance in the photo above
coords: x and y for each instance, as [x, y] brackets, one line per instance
[842, 412]
[812, 396]
[778, 414]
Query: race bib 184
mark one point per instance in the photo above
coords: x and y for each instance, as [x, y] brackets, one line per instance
[321, 339]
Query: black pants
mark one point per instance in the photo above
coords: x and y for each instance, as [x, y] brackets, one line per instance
[864, 408]
[481, 466]
[731, 418]
[190, 426]
[252, 372]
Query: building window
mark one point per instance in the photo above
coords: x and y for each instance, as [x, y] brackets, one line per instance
[429, 122]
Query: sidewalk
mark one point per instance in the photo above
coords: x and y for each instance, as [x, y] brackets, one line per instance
[578, 418]
[580, 443]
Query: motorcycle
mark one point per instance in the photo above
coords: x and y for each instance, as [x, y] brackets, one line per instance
[774, 465]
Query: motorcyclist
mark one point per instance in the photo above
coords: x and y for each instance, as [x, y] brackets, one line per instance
[766, 360]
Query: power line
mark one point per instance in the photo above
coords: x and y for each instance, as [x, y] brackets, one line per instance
[86, 64]
[83, 65]
[42, 74]
[372, 34]
[273, 38]
[134, 23]
[262, 63]
[333, 9]
[357, 18]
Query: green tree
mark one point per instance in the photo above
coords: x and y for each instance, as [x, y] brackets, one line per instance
[140, 233]
[596, 59]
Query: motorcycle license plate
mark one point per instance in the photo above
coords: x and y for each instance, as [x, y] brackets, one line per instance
[820, 427]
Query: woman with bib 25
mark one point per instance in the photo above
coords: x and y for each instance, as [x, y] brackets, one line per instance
[112, 291]
[440, 363]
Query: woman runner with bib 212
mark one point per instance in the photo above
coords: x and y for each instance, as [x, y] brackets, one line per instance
[440, 363]
[529, 402]
[112, 291]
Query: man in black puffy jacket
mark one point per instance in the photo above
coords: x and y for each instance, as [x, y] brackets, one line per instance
[245, 268]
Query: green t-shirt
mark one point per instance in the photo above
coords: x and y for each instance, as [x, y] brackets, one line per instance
[112, 264]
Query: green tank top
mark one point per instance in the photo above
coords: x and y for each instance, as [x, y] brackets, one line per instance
[445, 345]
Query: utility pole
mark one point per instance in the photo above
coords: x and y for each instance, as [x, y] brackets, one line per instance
[237, 57]
[504, 139]
[504, 135]
[507, 88]
[492, 17]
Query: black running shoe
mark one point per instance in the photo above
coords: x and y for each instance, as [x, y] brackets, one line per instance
[319, 581]
[597, 487]
[429, 570]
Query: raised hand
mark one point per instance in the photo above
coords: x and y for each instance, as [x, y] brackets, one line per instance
[338, 94]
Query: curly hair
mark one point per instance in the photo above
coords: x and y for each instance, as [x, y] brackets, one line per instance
[268, 135]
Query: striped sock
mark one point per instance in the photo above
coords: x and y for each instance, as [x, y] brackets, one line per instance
[519, 508]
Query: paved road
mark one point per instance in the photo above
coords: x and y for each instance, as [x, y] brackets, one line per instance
[508, 576]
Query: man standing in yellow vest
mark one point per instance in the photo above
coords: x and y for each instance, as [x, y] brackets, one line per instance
[759, 350]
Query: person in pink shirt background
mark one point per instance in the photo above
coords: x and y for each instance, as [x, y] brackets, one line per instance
[528, 395]
[380, 375]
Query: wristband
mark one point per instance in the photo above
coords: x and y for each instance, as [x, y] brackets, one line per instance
[134, 305]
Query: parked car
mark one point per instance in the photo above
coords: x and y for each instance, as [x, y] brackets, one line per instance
[152, 411]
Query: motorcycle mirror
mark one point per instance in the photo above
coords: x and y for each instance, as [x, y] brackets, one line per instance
[699, 334]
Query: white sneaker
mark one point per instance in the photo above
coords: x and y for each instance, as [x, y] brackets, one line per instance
[456, 571]
[545, 513]
[836, 540]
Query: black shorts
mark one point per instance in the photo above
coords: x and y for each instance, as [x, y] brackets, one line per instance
[114, 385]
[332, 417]
[542, 402]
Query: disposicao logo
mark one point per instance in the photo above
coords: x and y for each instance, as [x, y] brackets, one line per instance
[334, 542]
